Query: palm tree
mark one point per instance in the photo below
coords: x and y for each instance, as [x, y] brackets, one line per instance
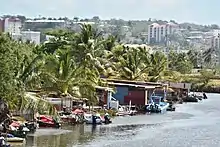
[132, 66]
[59, 72]
[158, 66]
[33, 103]
[207, 55]
[193, 56]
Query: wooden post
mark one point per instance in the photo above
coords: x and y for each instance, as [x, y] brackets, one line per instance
[146, 96]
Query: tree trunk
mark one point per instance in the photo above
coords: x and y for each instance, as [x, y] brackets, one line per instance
[65, 92]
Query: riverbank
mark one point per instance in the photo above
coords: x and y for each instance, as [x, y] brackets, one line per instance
[213, 86]
[190, 125]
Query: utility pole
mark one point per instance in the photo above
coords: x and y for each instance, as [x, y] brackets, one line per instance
[167, 51]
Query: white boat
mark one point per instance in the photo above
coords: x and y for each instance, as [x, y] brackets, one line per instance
[127, 110]
[163, 106]
[88, 118]
[122, 111]
[157, 105]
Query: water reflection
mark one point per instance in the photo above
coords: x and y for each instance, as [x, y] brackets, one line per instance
[147, 130]
[80, 134]
[93, 129]
[57, 140]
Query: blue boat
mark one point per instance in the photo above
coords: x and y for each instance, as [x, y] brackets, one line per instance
[157, 105]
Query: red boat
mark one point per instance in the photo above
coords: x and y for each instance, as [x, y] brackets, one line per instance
[48, 122]
[78, 111]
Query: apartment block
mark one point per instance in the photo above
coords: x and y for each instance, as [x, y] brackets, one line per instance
[157, 33]
[12, 25]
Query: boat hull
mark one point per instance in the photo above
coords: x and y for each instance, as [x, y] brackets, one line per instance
[48, 125]
[162, 108]
[15, 140]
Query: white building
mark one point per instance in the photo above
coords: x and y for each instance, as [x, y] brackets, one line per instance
[48, 37]
[157, 33]
[31, 36]
[12, 25]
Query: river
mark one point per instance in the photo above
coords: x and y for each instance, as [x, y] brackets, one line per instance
[191, 125]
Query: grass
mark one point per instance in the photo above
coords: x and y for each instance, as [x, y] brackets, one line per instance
[214, 83]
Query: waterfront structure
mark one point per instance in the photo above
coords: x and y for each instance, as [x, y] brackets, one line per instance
[138, 93]
[157, 33]
[105, 97]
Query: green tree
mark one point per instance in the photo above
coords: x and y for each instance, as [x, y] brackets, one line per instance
[10, 86]
[206, 76]
[180, 62]
[132, 65]
[158, 64]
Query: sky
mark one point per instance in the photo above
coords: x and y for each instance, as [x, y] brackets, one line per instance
[197, 11]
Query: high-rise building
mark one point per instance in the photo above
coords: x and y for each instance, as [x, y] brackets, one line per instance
[12, 25]
[157, 33]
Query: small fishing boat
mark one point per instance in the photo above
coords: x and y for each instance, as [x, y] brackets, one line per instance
[190, 98]
[89, 119]
[48, 122]
[157, 105]
[127, 110]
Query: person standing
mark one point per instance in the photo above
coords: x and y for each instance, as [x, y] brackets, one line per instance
[94, 119]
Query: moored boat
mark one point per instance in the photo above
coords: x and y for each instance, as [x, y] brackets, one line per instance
[48, 122]
[97, 119]
[90, 118]
[157, 105]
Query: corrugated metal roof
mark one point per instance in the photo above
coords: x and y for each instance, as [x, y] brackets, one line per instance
[133, 85]
[104, 88]
[133, 82]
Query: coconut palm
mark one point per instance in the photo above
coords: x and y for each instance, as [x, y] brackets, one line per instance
[132, 66]
[31, 102]
[158, 64]
[193, 56]
[59, 72]
[207, 55]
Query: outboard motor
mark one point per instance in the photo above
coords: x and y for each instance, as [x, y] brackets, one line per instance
[107, 118]
[205, 96]
[32, 126]
[151, 107]
[157, 108]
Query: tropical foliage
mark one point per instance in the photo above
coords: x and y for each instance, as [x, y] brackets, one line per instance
[73, 64]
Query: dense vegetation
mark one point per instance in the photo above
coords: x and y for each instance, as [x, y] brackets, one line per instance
[73, 64]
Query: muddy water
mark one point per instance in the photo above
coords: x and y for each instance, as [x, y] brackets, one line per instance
[192, 125]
